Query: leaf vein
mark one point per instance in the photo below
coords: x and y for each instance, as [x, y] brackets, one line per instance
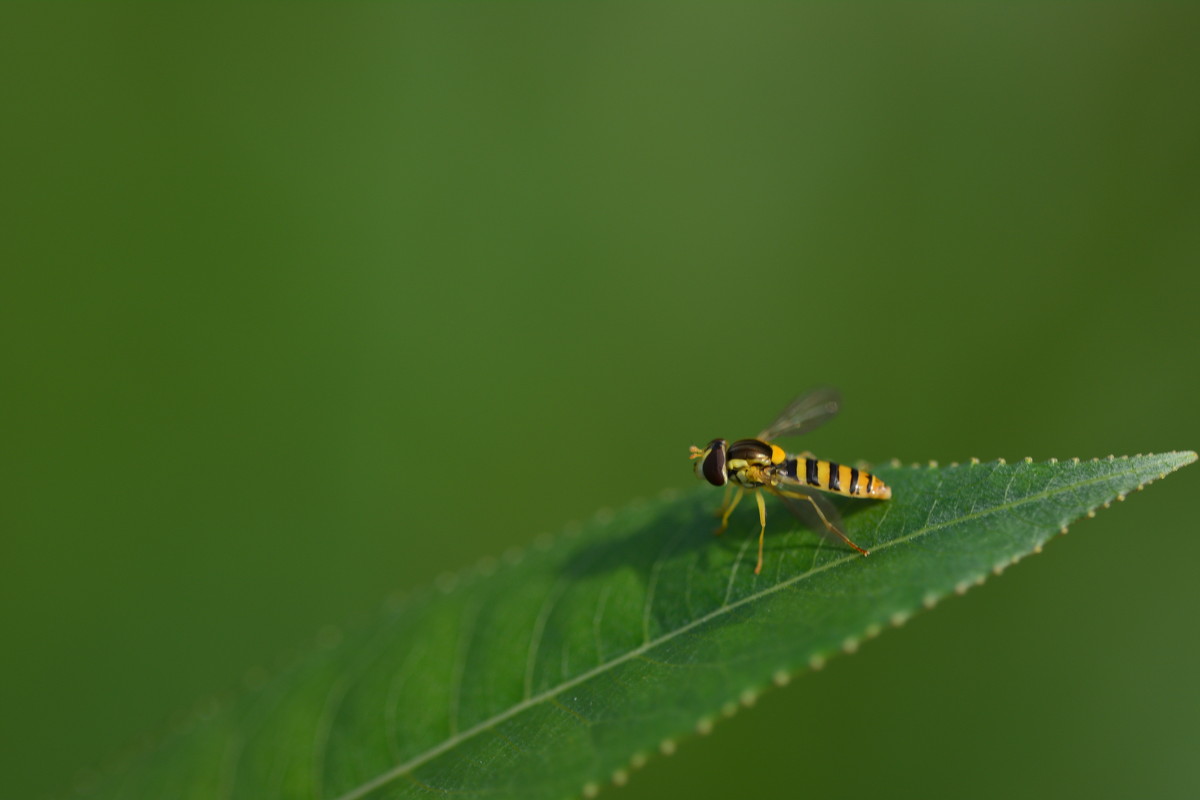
[470, 615]
[539, 630]
[405, 769]
[652, 583]
[597, 617]
[733, 573]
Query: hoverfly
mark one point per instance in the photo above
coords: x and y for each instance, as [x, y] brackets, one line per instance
[750, 464]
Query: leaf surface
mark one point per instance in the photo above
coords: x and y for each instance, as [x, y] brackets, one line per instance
[550, 672]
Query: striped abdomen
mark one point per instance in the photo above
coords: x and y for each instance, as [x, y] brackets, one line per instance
[838, 478]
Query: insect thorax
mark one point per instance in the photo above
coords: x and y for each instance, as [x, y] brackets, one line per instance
[749, 462]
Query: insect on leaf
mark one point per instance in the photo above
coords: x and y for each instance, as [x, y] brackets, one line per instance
[547, 674]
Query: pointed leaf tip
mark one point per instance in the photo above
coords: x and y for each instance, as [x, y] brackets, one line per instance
[592, 650]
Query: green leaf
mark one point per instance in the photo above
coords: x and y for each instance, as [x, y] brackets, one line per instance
[553, 671]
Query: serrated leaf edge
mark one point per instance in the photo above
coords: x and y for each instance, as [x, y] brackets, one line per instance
[705, 724]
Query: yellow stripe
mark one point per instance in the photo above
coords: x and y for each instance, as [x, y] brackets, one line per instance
[844, 478]
[823, 474]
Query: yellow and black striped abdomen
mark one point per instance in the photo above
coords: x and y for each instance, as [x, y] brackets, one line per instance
[838, 478]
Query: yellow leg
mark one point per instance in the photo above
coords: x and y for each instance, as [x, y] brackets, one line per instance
[762, 521]
[816, 506]
[726, 510]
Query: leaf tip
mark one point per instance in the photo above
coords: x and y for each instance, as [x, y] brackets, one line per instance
[1178, 459]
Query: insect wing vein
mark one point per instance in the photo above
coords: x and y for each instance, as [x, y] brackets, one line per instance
[807, 412]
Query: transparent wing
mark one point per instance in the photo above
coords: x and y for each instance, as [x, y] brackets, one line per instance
[808, 411]
[807, 514]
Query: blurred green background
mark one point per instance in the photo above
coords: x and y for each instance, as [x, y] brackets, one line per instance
[306, 306]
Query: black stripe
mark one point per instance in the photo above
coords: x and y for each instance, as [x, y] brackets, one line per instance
[810, 472]
[853, 481]
[870, 482]
[834, 482]
[790, 468]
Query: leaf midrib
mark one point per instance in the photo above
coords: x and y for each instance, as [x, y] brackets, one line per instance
[549, 694]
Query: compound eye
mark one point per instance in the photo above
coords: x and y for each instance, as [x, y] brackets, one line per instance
[713, 467]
